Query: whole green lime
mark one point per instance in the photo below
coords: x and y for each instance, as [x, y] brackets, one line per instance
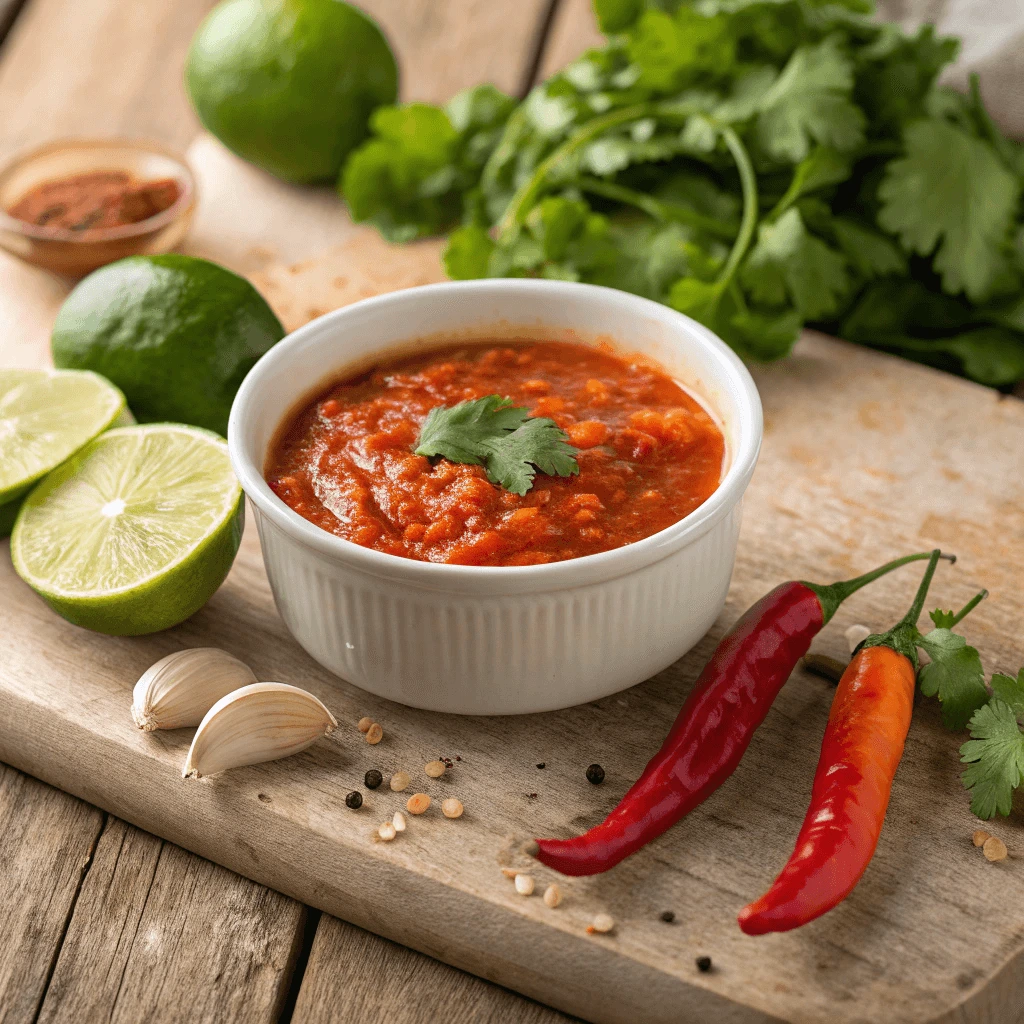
[289, 85]
[176, 334]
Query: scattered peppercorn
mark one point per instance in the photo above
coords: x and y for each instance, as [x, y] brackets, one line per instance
[373, 778]
[595, 774]
[457, 758]
[531, 796]
[668, 916]
[354, 800]
[542, 764]
[704, 964]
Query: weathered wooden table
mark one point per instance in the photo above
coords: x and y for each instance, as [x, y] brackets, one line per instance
[102, 920]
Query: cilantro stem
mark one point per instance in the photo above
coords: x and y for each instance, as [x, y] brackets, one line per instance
[656, 208]
[527, 193]
[748, 224]
[969, 607]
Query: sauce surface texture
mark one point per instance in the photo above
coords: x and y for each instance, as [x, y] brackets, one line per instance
[649, 455]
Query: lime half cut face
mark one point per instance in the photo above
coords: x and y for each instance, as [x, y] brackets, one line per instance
[47, 415]
[135, 532]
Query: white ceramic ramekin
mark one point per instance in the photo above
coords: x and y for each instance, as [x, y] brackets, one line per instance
[482, 640]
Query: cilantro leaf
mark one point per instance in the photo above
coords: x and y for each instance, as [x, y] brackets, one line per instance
[811, 101]
[409, 179]
[504, 439]
[941, 619]
[954, 675]
[1010, 691]
[996, 758]
[951, 195]
[673, 50]
[788, 261]
[514, 458]
[468, 253]
[616, 15]
[871, 253]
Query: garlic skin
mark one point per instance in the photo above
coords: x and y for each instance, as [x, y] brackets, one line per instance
[259, 722]
[178, 690]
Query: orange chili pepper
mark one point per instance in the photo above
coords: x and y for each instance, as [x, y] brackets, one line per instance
[860, 753]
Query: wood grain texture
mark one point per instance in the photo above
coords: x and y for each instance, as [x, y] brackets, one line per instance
[352, 975]
[161, 935]
[46, 842]
[97, 67]
[573, 30]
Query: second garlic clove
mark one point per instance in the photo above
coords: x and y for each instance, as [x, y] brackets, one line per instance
[259, 722]
[178, 690]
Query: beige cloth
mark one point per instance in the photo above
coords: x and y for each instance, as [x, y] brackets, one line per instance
[992, 43]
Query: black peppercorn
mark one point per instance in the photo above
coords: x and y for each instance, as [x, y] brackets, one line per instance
[373, 778]
[667, 916]
[595, 774]
[354, 800]
[541, 764]
[703, 964]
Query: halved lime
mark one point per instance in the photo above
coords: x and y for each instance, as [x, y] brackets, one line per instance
[135, 532]
[45, 416]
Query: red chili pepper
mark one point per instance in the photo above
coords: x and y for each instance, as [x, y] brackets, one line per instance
[729, 701]
[863, 744]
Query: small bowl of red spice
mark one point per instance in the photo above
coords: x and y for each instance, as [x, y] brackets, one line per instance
[76, 205]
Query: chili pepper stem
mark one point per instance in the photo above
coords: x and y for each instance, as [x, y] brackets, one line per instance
[903, 637]
[832, 595]
[969, 607]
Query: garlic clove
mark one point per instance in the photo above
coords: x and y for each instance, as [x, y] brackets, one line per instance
[179, 689]
[259, 722]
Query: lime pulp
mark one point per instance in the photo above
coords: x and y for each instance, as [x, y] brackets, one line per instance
[135, 532]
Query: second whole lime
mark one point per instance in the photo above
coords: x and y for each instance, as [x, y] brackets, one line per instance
[289, 85]
[176, 334]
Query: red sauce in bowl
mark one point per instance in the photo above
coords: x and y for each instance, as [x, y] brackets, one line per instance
[649, 455]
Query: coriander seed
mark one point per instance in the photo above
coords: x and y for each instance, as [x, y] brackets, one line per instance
[400, 781]
[398, 821]
[374, 734]
[552, 896]
[979, 837]
[435, 769]
[994, 849]
[387, 831]
[417, 803]
[451, 808]
[524, 885]
[602, 924]
[364, 724]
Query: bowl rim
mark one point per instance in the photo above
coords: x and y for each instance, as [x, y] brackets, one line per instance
[41, 233]
[571, 572]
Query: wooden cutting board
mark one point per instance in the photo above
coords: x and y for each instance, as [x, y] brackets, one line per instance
[865, 457]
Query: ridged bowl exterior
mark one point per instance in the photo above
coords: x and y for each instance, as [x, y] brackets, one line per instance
[491, 641]
[495, 654]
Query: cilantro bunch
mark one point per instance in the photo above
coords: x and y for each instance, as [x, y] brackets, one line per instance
[757, 164]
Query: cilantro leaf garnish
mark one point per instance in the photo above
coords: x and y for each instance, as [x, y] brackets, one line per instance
[491, 432]
[996, 758]
[951, 195]
[955, 676]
